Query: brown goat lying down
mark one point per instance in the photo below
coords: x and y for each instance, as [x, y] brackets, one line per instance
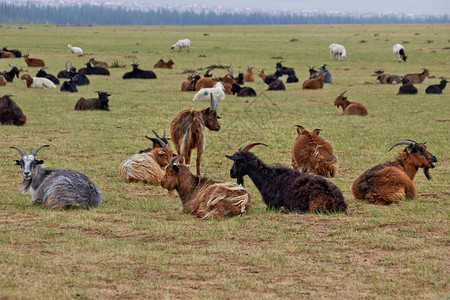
[311, 153]
[205, 197]
[349, 107]
[393, 181]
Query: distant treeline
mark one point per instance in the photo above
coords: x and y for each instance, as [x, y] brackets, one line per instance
[95, 15]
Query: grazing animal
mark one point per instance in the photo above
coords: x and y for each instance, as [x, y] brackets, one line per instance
[216, 92]
[338, 51]
[249, 76]
[399, 52]
[10, 112]
[96, 63]
[387, 78]
[56, 189]
[42, 73]
[17, 53]
[7, 54]
[186, 43]
[242, 91]
[437, 88]
[147, 167]
[3, 81]
[417, 77]
[392, 181]
[164, 65]
[205, 197]
[311, 153]
[69, 86]
[100, 103]
[37, 82]
[407, 88]
[348, 107]
[268, 79]
[9, 76]
[33, 62]
[187, 131]
[326, 74]
[276, 85]
[75, 50]
[90, 70]
[137, 73]
[313, 84]
[286, 187]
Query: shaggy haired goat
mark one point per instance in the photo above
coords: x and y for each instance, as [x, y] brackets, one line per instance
[437, 88]
[33, 62]
[147, 167]
[242, 91]
[417, 77]
[139, 74]
[37, 82]
[399, 52]
[285, 187]
[276, 85]
[311, 153]
[205, 197]
[337, 50]
[348, 107]
[42, 73]
[158, 142]
[100, 103]
[393, 181]
[249, 76]
[216, 92]
[407, 88]
[326, 74]
[187, 131]
[56, 189]
[387, 78]
[9, 76]
[313, 84]
[10, 112]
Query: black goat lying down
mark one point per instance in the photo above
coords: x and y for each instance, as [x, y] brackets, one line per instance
[286, 187]
[137, 73]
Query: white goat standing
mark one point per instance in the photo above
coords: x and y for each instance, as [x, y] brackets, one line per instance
[399, 52]
[339, 50]
[76, 50]
[186, 43]
[217, 92]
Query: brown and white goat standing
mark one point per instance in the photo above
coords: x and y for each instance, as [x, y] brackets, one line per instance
[187, 131]
[348, 107]
[313, 154]
[392, 181]
[147, 167]
[205, 197]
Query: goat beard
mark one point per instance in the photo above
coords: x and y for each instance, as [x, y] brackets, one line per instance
[25, 185]
[240, 180]
[426, 171]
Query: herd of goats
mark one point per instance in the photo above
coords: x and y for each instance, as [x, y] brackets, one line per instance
[300, 188]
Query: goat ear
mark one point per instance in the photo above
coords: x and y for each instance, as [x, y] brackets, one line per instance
[17, 162]
[39, 162]
[233, 157]
[409, 148]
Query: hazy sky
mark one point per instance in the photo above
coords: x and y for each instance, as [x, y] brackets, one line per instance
[407, 6]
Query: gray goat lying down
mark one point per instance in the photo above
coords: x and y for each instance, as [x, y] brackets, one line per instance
[56, 189]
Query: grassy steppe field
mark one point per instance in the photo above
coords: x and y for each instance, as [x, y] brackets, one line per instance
[139, 245]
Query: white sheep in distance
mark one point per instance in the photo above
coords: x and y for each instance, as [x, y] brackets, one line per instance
[399, 51]
[186, 43]
[216, 92]
[38, 82]
[76, 50]
[337, 50]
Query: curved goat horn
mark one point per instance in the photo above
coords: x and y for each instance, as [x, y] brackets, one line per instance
[404, 142]
[35, 151]
[164, 134]
[342, 94]
[175, 160]
[162, 143]
[21, 151]
[212, 101]
[300, 127]
[157, 134]
[248, 147]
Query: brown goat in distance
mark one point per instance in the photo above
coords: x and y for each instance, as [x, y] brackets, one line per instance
[205, 197]
[190, 82]
[7, 54]
[393, 181]
[33, 62]
[348, 107]
[147, 167]
[3, 81]
[249, 76]
[209, 82]
[311, 153]
[313, 84]
[417, 77]
[164, 65]
[187, 131]
[10, 112]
